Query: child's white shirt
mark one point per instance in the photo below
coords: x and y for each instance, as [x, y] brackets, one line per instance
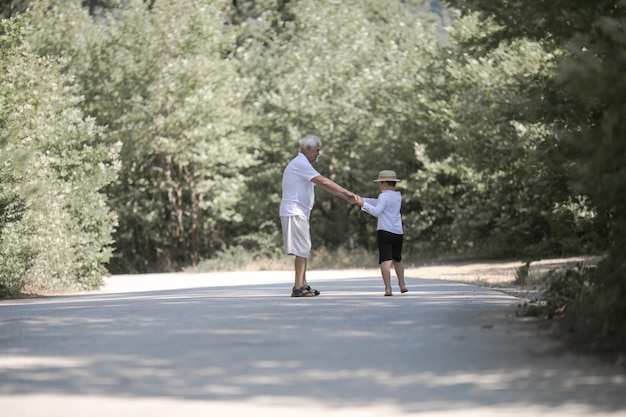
[387, 208]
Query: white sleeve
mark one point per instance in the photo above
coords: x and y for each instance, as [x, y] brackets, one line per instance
[373, 206]
[370, 201]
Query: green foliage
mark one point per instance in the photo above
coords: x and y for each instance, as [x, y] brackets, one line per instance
[207, 101]
[335, 70]
[584, 303]
[239, 258]
[554, 21]
[584, 105]
[563, 291]
[56, 228]
[16, 258]
[594, 77]
[243, 258]
[488, 182]
[11, 8]
[157, 78]
[601, 319]
[566, 290]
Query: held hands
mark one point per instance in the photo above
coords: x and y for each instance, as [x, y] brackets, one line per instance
[354, 198]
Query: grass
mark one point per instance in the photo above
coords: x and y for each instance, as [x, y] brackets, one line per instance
[239, 259]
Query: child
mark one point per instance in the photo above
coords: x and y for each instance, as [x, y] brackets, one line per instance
[390, 234]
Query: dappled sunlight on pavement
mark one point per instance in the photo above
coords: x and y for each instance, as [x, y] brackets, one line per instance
[443, 348]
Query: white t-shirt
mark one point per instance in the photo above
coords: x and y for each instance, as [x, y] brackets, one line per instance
[298, 190]
[387, 209]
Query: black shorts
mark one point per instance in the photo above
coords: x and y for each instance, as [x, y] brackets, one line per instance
[389, 246]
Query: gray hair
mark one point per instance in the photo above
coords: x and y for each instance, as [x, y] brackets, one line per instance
[310, 141]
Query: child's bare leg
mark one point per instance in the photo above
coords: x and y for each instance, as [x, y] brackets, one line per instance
[399, 267]
[385, 270]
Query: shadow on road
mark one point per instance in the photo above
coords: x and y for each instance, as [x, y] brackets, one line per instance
[442, 346]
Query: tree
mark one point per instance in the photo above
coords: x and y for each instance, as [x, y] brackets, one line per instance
[11, 8]
[333, 70]
[487, 145]
[554, 22]
[55, 227]
[593, 76]
[159, 79]
[586, 101]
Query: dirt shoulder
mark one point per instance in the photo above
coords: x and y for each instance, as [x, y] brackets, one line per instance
[493, 272]
[499, 275]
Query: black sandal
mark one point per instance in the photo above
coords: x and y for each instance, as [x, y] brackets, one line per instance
[316, 292]
[302, 292]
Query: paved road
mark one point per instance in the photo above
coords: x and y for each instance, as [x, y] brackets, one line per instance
[236, 344]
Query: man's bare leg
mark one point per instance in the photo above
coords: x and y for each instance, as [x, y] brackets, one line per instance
[385, 271]
[300, 267]
[399, 267]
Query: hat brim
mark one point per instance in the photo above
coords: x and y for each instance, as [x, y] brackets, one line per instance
[388, 180]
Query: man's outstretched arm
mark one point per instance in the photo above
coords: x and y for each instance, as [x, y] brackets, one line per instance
[334, 188]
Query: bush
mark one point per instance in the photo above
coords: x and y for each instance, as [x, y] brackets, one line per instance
[55, 226]
[586, 306]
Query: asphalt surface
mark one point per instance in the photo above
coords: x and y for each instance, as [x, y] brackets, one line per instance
[236, 344]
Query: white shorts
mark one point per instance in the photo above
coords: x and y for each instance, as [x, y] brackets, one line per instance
[296, 235]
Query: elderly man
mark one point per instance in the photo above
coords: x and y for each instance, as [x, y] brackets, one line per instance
[299, 180]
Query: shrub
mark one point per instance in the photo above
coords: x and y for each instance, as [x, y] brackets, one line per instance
[55, 226]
